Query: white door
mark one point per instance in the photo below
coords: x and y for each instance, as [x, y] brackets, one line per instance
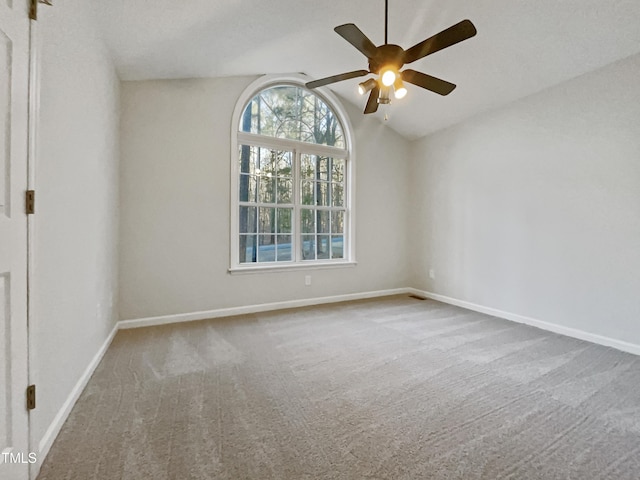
[14, 81]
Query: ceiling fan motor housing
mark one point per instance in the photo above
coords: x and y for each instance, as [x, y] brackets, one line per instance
[387, 55]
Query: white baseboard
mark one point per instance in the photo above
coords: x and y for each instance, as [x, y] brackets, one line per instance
[551, 327]
[54, 428]
[263, 307]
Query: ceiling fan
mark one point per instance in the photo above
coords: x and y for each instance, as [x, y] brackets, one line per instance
[387, 60]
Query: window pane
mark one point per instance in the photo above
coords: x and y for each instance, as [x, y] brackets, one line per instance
[322, 217]
[284, 220]
[285, 190]
[322, 194]
[307, 193]
[267, 190]
[308, 221]
[283, 248]
[249, 116]
[247, 159]
[337, 242]
[266, 248]
[267, 220]
[247, 219]
[322, 247]
[308, 247]
[247, 248]
[291, 112]
[284, 164]
[308, 166]
[267, 162]
[248, 188]
[322, 168]
[337, 222]
[337, 190]
[337, 171]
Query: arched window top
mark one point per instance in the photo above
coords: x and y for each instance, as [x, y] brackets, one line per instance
[293, 113]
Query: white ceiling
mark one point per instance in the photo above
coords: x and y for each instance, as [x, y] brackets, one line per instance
[522, 46]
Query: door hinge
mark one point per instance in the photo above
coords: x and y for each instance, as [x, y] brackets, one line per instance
[30, 201]
[33, 7]
[31, 397]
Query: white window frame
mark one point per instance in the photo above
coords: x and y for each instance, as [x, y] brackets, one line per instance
[242, 138]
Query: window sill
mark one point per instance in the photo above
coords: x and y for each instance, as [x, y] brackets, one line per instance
[290, 267]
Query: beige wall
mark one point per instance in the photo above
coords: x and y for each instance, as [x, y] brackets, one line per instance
[534, 209]
[75, 256]
[174, 205]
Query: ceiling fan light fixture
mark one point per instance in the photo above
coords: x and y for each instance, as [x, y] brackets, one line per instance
[399, 90]
[367, 86]
[388, 76]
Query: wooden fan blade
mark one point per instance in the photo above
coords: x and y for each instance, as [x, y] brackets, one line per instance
[423, 80]
[355, 37]
[452, 35]
[336, 78]
[372, 103]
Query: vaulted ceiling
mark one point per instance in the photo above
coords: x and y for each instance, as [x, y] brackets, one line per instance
[522, 46]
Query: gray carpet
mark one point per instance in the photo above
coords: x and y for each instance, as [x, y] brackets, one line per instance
[392, 388]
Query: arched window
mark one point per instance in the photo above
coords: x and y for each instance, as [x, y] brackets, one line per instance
[291, 180]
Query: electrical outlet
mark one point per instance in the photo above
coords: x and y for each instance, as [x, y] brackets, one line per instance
[307, 280]
[432, 273]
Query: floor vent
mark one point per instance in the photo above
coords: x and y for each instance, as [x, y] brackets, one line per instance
[417, 297]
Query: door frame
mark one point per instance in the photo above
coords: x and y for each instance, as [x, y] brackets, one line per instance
[33, 120]
[18, 175]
